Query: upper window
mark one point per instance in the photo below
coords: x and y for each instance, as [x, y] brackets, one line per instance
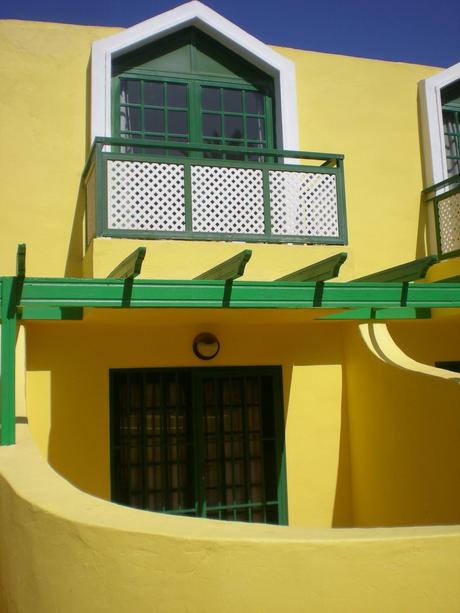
[450, 98]
[188, 88]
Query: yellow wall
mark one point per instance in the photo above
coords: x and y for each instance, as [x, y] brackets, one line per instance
[366, 109]
[404, 431]
[71, 552]
[68, 391]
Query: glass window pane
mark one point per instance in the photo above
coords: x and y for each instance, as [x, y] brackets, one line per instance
[177, 122]
[130, 91]
[130, 119]
[154, 120]
[256, 128]
[254, 103]
[210, 98]
[153, 93]
[177, 95]
[233, 127]
[233, 101]
[211, 125]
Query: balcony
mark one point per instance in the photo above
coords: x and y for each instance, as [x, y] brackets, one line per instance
[444, 198]
[152, 190]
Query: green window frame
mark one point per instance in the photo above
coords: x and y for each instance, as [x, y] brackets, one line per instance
[201, 442]
[223, 99]
[450, 98]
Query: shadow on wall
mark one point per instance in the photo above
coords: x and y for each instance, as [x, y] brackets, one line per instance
[76, 248]
[405, 437]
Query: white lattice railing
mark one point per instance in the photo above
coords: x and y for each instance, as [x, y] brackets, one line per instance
[445, 197]
[141, 195]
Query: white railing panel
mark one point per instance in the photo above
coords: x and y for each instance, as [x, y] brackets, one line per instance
[145, 196]
[227, 200]
[303, 204]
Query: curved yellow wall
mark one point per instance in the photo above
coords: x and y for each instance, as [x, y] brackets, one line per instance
[71, 552]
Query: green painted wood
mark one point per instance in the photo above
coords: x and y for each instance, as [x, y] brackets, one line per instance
[71, 292]
[7, 364]
[229, 270]
[277, 153]
[380, 314]
[320, 271]
[21, 260]
[409, 271]
[51, 313]
[130, 267]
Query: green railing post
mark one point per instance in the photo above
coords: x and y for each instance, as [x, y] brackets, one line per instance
[7, 364]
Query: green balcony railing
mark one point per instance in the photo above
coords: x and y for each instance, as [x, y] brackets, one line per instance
[150, 189]
[444, 197]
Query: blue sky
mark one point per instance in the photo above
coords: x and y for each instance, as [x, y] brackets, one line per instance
[417, 31]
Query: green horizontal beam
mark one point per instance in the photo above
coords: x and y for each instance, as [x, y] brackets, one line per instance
[51, 313]
[70, 292]
[380, 314]
[130, 267]
[320, 271]
[231, 269]
[409, 271]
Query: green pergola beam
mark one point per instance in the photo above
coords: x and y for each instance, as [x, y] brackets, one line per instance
[410, 271]
[320, 271]
[70, 292]
[229, 270]
[379, 314]
[7, 363]
[51, 313]
[130, 267]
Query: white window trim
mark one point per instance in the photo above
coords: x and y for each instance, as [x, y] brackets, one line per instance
[434, 155]
[228, 34]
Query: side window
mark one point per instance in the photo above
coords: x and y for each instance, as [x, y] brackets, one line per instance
[450, 98]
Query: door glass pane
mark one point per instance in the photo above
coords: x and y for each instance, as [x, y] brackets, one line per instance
[211, 125]
[177, 95]
[233, 127]
[210, 98]
[154, 120]
[153, 93]
[130, 91]
[254, 102]
[233, 101]
[177, 122]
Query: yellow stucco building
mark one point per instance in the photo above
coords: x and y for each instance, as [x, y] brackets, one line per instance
[212, 317]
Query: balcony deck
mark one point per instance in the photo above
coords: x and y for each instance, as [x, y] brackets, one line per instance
[145, 189]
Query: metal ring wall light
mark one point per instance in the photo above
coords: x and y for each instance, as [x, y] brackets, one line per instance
[206, 346]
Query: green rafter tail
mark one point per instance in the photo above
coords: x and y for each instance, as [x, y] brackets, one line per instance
[410, 271]
[130, 267]
[320, 271]
[229, 270]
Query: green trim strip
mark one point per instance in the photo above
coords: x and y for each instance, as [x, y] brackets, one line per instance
[69, 292]
[380, 314]
[320, 271]
[229, 270]
[130, 267]
[410, 271]
[7, 363]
